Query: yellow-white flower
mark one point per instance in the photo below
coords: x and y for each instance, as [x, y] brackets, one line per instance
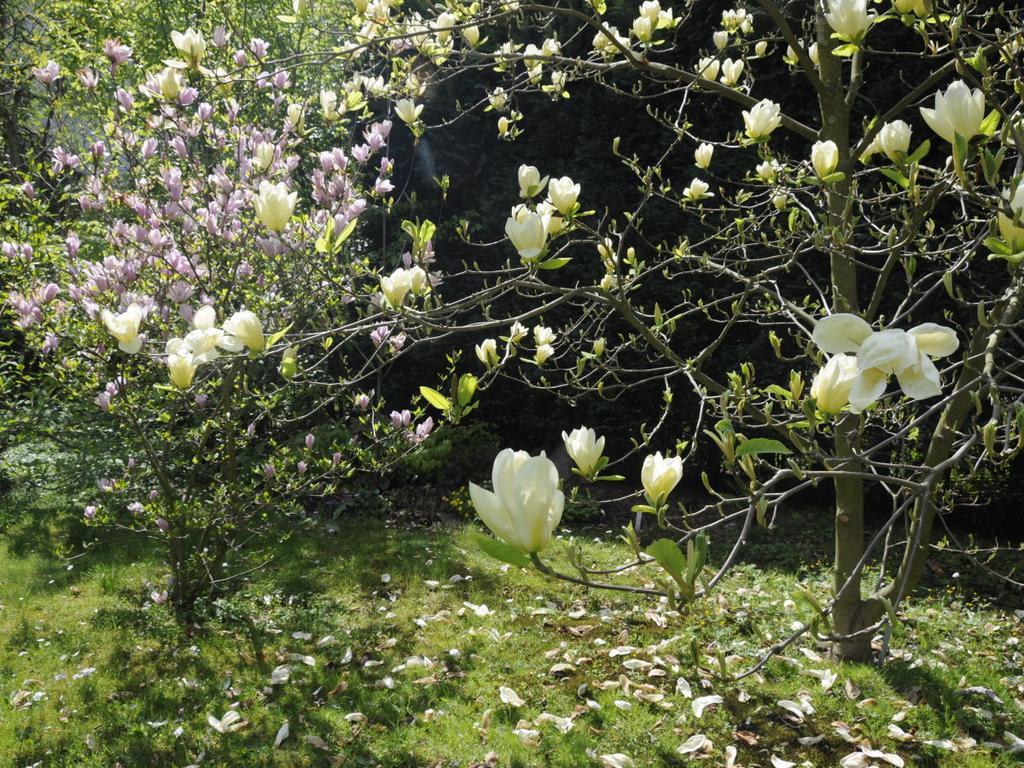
[181, 366]
[767, 171]
[850, 18]
[702, 155]
[396, 287]
[1012, 229]
[528, 232]
[526, 505]
[643, 29]
[824, 157]
[585, 448]
[906, 354]
[697, 190]
[763, 118]
[530, 182]
[274, 205]
[708, 68]
[125, 327]
[408, 111]
[720, 39]
[659, 476]
[957, 110]
[893, 139]
[543, 353]
[191, 45]
[263, 156]
[247, 328]
[205, 340]
[487, 352]
[329, 105]
[168, 81]
[832, 384]
[543, 335]
[731, 71]
[563, 194]
[471, 35]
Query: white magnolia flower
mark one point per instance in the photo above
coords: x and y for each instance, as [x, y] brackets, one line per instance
[329, 105]
[191, 45]
[543, 353]
[526, 505]
[697, 190]
[906, 354]
[643, 29]
[408, 111]
[263, 156]
[763, 118]
[205, 340]
[247, 328]
[471, 35]
[563, 194]
[824, 157]
[517, 332]
[832, 384]
[585, 448]
[957, 110]
[487, 352]
[530, 182]
[274, 205]
[543, 335]
[395, 287]
[850, 18]
[720, 39]
[181, 365]
[169, 83]
[708, 68]
[528, 232]
[702, 155]
[732, 71]
[893, 139]
[767, 171]
[125, 327]
[659, 476]
[1012, 229]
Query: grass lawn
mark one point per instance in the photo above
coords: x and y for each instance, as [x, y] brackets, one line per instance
[390, 646]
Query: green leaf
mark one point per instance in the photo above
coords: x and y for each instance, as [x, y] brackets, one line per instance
[894, 175]
[436, 399]
[277, 336]
[844, 51]
[556, 263]
[998, 247]
[990, 124]
[644, 509]
[761, 445]
[344, 234]
[668, 555]
[499, 550]
[922, 150]
[611, 478]
[832, 178]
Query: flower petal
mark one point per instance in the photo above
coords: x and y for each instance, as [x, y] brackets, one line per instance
[935, 340]
[920, 381]
[841, 332]
[867, 388]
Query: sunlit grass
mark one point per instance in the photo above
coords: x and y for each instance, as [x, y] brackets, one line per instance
[155, 682]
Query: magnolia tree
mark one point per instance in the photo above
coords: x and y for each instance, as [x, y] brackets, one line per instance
[873, 242]
[208, 307]
[873, 247]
